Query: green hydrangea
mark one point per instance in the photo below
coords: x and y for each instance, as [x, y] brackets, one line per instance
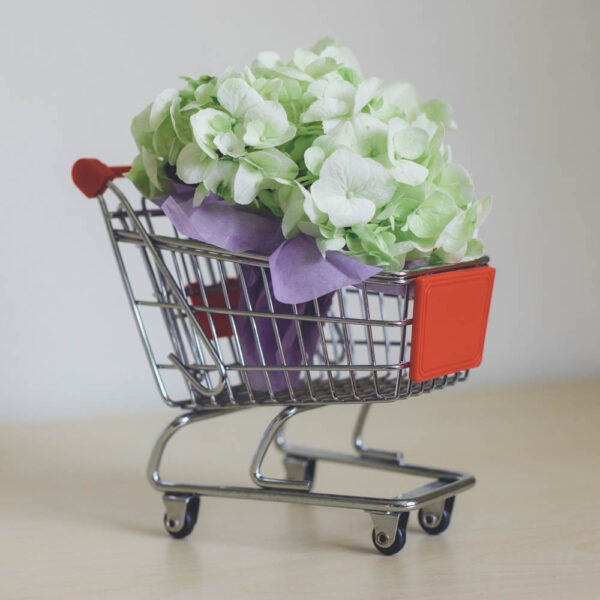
[358, 164]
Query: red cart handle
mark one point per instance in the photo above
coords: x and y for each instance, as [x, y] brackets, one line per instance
[92, 176]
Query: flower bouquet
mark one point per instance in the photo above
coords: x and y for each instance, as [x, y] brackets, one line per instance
[334, 176]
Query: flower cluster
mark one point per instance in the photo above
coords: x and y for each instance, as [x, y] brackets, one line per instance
[358, 164]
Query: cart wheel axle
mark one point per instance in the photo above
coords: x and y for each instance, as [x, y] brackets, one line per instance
[381, 533]
[181, 514]
[434, 519]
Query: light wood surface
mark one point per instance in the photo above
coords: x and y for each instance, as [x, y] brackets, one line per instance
[78, 519]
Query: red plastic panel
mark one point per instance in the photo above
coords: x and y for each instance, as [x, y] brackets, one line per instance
[215, 299]
[449, 321]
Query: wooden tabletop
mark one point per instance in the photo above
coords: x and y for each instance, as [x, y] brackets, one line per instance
[78, 519]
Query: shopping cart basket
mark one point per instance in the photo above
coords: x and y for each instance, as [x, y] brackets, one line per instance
[393, 336]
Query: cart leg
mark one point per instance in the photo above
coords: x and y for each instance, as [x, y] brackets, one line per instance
[363, 450]
[153, 469]
[271, 433]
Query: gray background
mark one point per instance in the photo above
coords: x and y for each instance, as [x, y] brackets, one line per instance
[522, 76]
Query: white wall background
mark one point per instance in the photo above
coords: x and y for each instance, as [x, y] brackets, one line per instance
[523, 78]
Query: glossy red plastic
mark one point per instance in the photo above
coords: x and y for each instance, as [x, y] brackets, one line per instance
[215, 299]
[450, 317]
[91, 176]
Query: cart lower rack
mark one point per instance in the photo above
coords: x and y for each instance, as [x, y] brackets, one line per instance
[215, 334]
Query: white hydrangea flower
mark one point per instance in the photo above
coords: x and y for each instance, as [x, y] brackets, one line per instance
[350, 188]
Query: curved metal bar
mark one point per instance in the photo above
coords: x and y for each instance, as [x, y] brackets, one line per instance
[187, 373]
[271, 434]
[153, 470]
[185, 307]
[363, 450]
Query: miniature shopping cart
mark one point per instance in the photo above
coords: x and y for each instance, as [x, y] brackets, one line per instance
[393, 336]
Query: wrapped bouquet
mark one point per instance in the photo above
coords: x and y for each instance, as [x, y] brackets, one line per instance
[351, 168]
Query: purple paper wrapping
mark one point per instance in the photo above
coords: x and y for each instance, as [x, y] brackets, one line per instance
[265, 332]
[298, 275]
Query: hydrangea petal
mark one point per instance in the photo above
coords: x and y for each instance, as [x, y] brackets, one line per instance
[246, 184]
[193, 164]
[409, 172]
[229, 144]
[236, 96]
[160, 107]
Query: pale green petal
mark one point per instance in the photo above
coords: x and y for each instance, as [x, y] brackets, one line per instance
[162, 138]
[321, 67]
[456, 180]
[268, 59]
[474, 249]
[273, 163]
[333, 244]
[193, 164]
[303, 58]
[160, 107]
[200, 193]
[236, 96]
[311, 229]
[484, 206]
[310, 208]
[350, 188]
[325, 108]
[220, 177]
[207, 123]
[267, 125]
[343, 211]
[365, 93]
[342, 55]
[370, 136]
[293, 210]
[322, 44]
[181, 124]
[246, 184]
[150, 163]
[409, 172]
[229, 144]
[141, 130]
[405, 141]
[430, 218]
[457, 233]
[205, 93]
[313, 158]
[440, 112]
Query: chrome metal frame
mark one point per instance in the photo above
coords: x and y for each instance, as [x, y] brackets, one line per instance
[362, 356]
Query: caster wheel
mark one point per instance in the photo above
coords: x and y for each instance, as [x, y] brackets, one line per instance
[380, 540]
[300, 468]
[435, 523]
[180, 524]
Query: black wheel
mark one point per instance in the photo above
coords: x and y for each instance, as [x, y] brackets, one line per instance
[399, 540]
[189, 521]
[435, 525]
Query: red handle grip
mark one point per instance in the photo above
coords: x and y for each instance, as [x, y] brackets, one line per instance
[92, 176]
